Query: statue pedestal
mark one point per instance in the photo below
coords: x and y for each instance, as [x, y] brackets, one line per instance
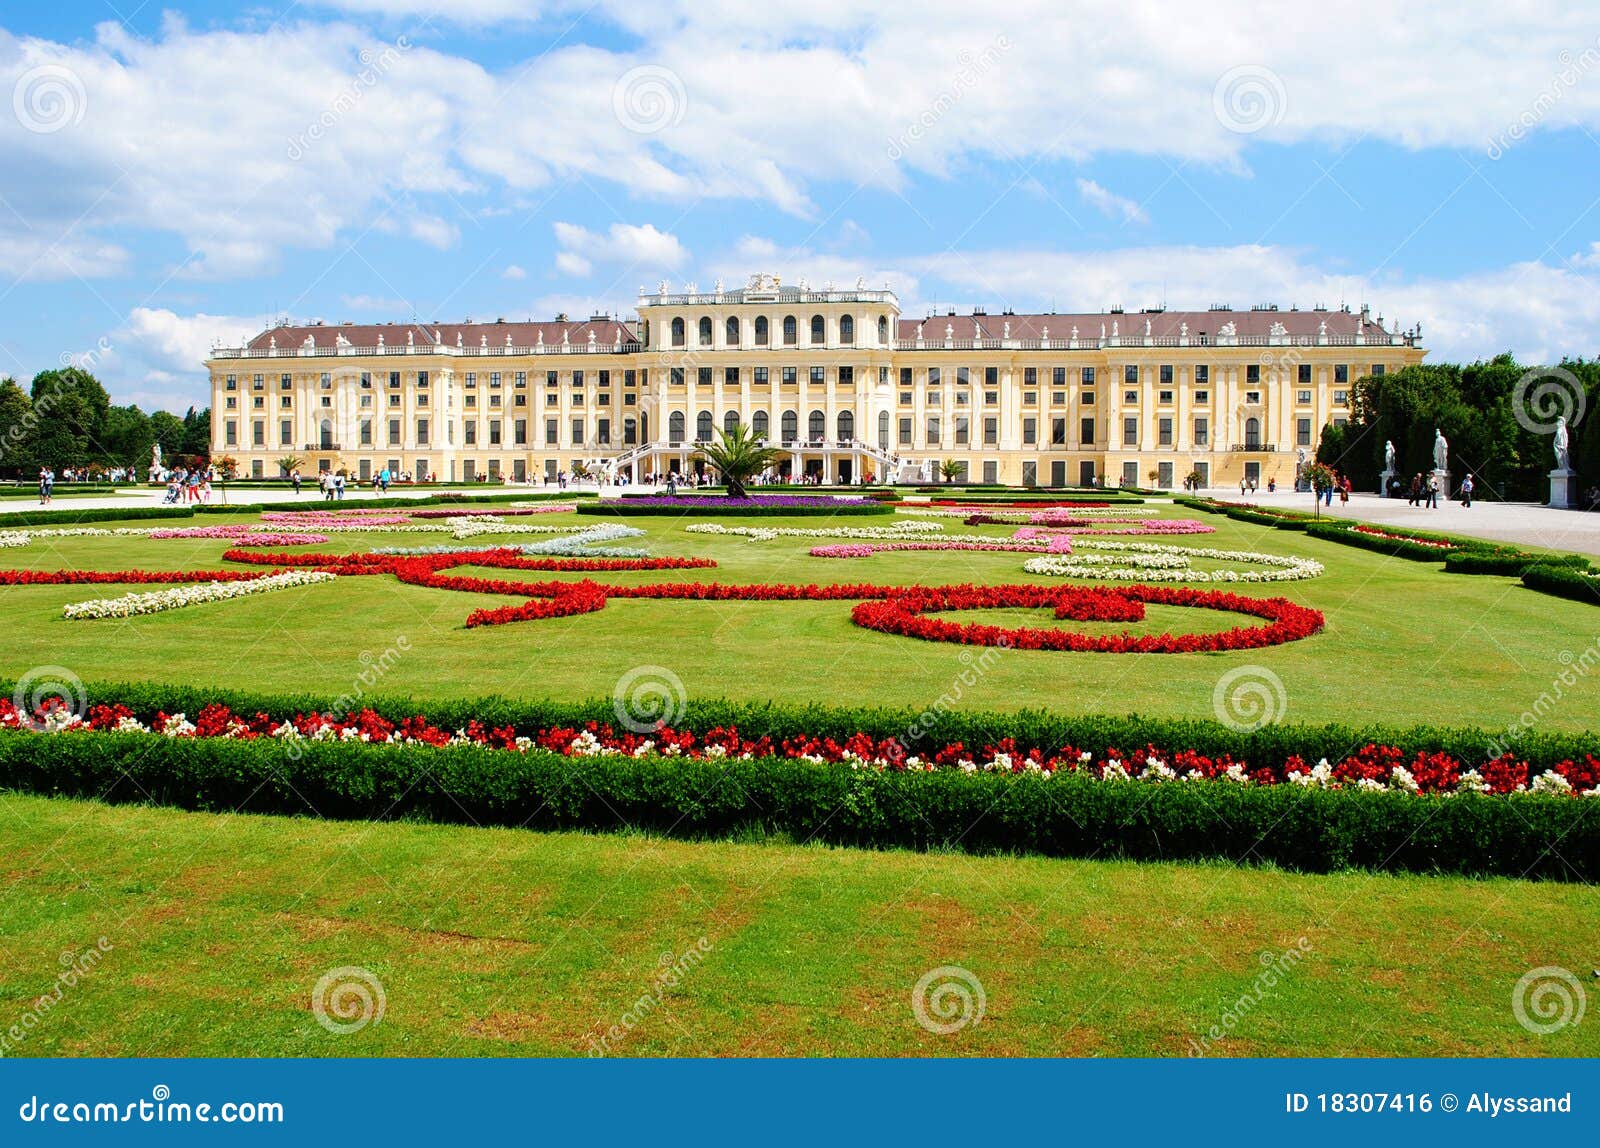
[1441, 481]
[1384, 480]
[1564, 489]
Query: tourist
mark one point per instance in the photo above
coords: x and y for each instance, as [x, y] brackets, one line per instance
[1416, 488]
[1433, 493]
[338, 486]
[1466, 491]
[47, 486]
[1272, 485]
[1344, 491]
[294, 479]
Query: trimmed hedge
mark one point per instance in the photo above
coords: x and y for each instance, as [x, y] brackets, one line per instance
[1564, 582]
[1507, 562]
[313, 502]
[96, 514]
[642, 508]
[1342, 533]
[1029, 728]
[1070, 816]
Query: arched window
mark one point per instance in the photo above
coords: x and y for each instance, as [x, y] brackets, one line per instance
[702, 427]
[677, 331]
[759, 424]
[817, 426]
[847, 426]
[644, 428]
[763, 331]
[675, 427]
[883, 330]
[1252, 432]
[819, 329]
[791, 331]
[791, 426]
[630, 432]
[705, 330]
[847, 329]
[730, 422]
[326, 433]
[731, 331]
[883, 430]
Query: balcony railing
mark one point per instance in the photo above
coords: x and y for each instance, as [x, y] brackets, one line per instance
[596, 348]
[1254, 447]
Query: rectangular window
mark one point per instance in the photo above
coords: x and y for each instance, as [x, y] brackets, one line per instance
[1130, 374]
[494, 432]
[577, 378]
[991, 398]
[991, 431]
[1202, 373]
[1087, 377]
[730, 376]
[1341, 398]
[933, 430]
[819, 376]
[1058, 432]
[1058, 376]
[1303, 398]
[1302, 432]
[905, 432]
[1164, 398]
[1252, 373]
[394, 432]
[1303, 374]
[1341, 372]
[494, 380]
[551, 379]
[847, 376]
[1058, 398]
[1086, 432]
[1202, 432]
[286, 433]
[702, 377]
[469, 433]
[761, 376]
[1030, 376]
[991, 376]
[676, 378]
[790, 376]
[1201, 398]
[552, 432]
[1030, 432]
[366, 432]
[1131, 398]
[602, 431]
[522, 378]
[1377, 370]
[577, 432]
[963, 430]
[1130, 432]
[905, 376]
[1163, 432]
[630, 378]
[422, 432]
[1166, 374]
[1253, 398]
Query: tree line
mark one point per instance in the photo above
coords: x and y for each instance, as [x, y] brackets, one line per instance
[1499, 417]
[66, 419]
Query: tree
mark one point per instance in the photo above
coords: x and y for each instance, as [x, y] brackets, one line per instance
[196, 433]
[126, 437]
[16, 419]
[290, 463]
[739, 457]
[950, 469]
[69, 413]
[168, 429]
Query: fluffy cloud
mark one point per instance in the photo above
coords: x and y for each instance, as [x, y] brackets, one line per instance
[1111, 204]
[640, 248]
[348, 130]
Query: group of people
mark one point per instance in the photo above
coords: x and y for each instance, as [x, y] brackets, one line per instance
[186, 485]
[1425, 491]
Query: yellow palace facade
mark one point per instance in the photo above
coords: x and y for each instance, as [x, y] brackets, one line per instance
[838, 380]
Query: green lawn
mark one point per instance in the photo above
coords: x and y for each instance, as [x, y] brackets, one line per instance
[1404, 643]
[498, 942]
[490, 942]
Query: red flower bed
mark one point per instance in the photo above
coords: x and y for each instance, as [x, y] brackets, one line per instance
[130, 577]
[1374, 532]
[1370, 766]
[889, 609]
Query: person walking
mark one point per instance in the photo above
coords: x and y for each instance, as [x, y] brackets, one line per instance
[1466, 492]
[1415, 495]
[294, 479]
[1433, 494]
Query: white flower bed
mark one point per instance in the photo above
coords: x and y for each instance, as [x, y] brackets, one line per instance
[133, 605]
[900, 531]
[967, 511]
[1150, 562]
[578, 543]
[12, 538]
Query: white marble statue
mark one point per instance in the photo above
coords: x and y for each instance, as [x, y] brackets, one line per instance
[1389, 456]
[1562, 445]
[1441, 450]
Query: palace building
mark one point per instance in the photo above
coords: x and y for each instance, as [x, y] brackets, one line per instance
[839, 380]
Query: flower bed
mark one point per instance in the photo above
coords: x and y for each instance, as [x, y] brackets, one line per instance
[1059, 544]
[1378, 532]
[1370, 766]
[1151, 562]
[133, 605]
[1087, 526]
[793, 506]
[509, 512]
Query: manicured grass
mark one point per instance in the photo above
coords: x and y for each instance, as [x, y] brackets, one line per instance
[1405, 642]
[500, 942]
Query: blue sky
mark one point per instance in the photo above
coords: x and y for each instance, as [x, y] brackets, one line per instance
[183, 174]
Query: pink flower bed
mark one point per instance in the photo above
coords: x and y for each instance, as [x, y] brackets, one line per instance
[512, 512]
[314, 518]
[1057, 544]
[280, 539]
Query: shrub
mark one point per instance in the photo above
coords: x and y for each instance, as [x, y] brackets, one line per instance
[1564, 581]
[98, 514]
[1507, 562]
[713, 505]
[1066, 816]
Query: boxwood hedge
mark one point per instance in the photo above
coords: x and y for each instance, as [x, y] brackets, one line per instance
[1067, 816]
[714, 506]
[1580, 585]
[94, 514]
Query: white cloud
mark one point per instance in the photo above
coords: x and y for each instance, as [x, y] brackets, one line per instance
[327, 142]
[31, 258]
[512, 271]
[640, 248]
[1111, 204]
